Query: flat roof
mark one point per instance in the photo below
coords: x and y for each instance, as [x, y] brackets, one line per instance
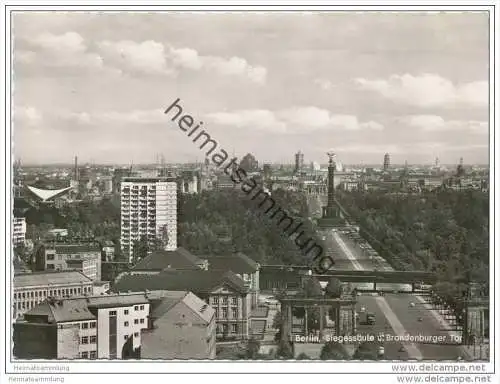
[49, 278]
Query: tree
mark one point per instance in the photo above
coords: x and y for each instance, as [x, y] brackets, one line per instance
[278, 320]
[333, 351]
[285, 350]
[140, 249]
[334, 288]
[366, 351]
[252, 349]
[303, 356]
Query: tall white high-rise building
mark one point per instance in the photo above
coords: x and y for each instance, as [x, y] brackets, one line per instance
[148, 210]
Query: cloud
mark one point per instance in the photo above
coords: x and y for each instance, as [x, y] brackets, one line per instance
[249, 119]
[235, 66]
[112, 119]
[147, 57]
[324, 84]
[427, 90]
[66, 50]
[293, 120]
[156, 58]
[434, 123]
[27, 115]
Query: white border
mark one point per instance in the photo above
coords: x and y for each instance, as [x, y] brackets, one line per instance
[219, 366]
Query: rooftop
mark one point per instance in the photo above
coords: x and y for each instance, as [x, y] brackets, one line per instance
[47, 194]
[238, 263]
[74, 248]
[49, 278]
[78, 308]
[178, 259]
[196, 281]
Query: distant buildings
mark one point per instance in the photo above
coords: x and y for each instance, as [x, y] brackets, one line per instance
[148, 210]
[181, 326]
[387, 162]
[188, 182]
[18, 231]
[249, 163]
[315, 166]
[104, 327]
[108, 250]
[32, 288]
[85, 258]
[224, 182]
[299, 163]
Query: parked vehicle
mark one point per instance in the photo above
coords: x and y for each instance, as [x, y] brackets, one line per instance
[370, 318]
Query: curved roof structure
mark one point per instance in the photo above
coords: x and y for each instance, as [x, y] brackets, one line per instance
[47, 194]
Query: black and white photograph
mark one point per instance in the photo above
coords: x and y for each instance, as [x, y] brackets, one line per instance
[217, 189]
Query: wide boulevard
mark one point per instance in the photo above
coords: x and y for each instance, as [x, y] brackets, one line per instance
[397, 314]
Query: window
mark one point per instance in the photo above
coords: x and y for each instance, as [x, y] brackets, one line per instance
[125, 324]
[93, 324]
[234, 313]
[15, 296]
[234, 301]
[215, 300]
[234, 328]
[216, 313]
[93, 354]
[125, 312]
[85, 325]
[125, 337]
[84, 340]
[224, 300]
[112, 313]
[136, 308]
[84, 355]
[142, 321]
[93, 339]
[224, 313]
[136, 321]
[136, 334]
[142, 307]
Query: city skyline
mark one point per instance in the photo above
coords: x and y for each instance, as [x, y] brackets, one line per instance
[96, 85]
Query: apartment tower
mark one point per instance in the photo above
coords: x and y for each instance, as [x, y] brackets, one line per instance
[148, 210]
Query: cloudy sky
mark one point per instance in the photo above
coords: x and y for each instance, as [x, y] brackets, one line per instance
[96, 85]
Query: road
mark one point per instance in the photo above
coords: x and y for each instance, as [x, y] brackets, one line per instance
[394, 314]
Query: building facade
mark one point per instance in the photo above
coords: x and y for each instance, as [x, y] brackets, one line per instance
[19, 231]
[85, 258]
[182, 326]
[94, 327]
[148, 210]
[224, 291]
[30, 289]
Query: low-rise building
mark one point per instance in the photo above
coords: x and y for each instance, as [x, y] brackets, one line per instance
[224, 291]
[182, 326]
[244, 267]
[108, 251]
[30, 289]
[85, 258]
[103, 327]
